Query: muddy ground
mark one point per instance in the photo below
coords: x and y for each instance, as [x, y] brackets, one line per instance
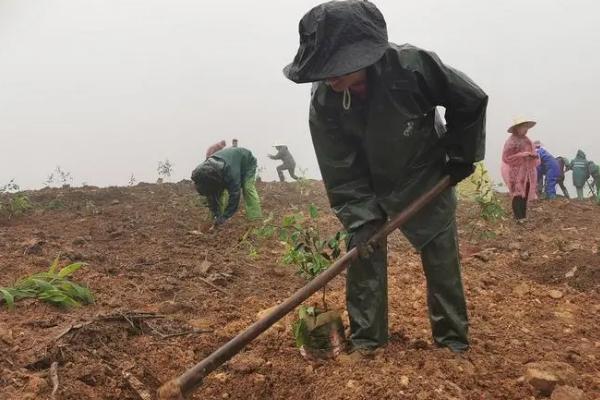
[168, 292]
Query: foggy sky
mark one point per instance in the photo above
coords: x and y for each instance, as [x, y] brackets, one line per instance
[107, 88]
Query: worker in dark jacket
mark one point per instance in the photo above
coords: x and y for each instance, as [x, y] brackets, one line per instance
[223, 177]
[581, 174]
[563, 167]
[289, 164]
[379, 146]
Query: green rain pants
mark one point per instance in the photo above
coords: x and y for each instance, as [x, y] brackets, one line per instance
[251, 199]
[366, 295]
[579, 192]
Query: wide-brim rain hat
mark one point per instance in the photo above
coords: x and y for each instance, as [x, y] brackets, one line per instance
[528, 123]
[336, 39]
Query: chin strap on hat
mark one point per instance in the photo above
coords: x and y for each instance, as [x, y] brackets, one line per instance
[347, 99]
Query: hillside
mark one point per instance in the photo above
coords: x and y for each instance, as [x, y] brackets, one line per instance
[169, 291]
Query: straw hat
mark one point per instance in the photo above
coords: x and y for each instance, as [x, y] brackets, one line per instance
[521, 121]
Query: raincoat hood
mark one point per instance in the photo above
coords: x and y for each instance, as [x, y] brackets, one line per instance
[336, 39]
[580, 154]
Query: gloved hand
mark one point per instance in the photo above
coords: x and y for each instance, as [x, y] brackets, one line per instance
[360, 239]
[458, 170]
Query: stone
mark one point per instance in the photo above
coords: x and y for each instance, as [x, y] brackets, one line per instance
[115, 202]
[544, 376]
[78, 241]
[34, 247]
[170, 307]
[352, 384]
[246, 363]
[525, 255]
[571, 272]
[6, 336]
[404, 381]
[259, 378]
[514, 246]
[217, 279]
[555, 294]
[204, 268]
[221, 377]
[521, 289]
[567, 393]
[542, 381]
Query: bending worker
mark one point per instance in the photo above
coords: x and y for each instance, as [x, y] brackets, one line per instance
[289, 163]
[548, 172]
[372, 121]
[563, 167]
[223, 177]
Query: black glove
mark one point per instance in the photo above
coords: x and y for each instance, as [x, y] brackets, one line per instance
[361, 236]
[458, 170]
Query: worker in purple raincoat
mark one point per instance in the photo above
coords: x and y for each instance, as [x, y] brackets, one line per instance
[548, 172]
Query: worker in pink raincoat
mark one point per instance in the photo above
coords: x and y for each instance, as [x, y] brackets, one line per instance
[215, 147]
[519, 167]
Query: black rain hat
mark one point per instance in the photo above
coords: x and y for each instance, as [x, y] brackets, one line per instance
[336, 39]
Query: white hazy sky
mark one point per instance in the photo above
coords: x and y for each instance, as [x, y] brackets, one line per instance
[107, 88]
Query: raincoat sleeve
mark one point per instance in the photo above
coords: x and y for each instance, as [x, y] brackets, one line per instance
[277, 156]
[344, 170]
[213, 205]
[465, 105]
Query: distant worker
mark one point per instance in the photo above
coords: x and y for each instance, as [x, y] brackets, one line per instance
[580, 173]
[563, 166]
[548, 172]
[215, 147]
[519, 167]
[594, 171]
[289, 164]
[223, 177]
[477, 186]
[234, 143]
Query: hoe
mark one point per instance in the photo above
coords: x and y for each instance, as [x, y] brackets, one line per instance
[183, 385]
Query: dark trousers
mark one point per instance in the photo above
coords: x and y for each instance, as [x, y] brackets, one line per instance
[367, 301]
[561, 184]
[291, 171]
[519, 205]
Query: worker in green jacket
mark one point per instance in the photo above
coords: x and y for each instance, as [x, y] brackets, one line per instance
[579, 166]
[223, 177]
[380, 146]
[594, 171]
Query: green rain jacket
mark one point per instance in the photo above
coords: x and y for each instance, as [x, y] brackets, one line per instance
[580, 169]
[239, 166]
[377, 158]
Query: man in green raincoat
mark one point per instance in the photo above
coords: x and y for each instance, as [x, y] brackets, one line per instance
[223, 177]
[379, 146]
[579, 166]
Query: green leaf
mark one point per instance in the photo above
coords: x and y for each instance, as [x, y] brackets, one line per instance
[314, 212]
[54, 265]
[70, 269]
[9, 299]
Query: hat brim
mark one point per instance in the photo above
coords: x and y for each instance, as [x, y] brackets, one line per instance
[345, 61]
[527, 124]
